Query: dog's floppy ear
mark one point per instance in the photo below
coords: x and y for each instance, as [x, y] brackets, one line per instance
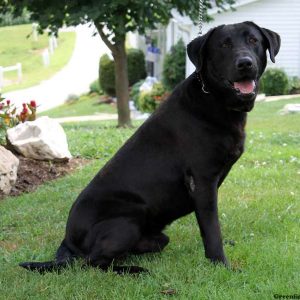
[272, 39]
[195, 49]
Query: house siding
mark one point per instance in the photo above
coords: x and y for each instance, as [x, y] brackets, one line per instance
[281, 16]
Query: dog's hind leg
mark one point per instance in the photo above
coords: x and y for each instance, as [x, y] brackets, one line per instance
[112, 239]
[153, 243]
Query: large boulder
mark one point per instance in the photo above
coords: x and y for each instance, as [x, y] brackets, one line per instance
[42, 139]
[8, 170]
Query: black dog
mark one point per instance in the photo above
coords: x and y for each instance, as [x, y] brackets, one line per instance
[175, 162]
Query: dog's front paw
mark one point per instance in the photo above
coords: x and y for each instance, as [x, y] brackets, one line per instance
[220, 260]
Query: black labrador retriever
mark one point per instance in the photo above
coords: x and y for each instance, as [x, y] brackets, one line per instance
[175, 162]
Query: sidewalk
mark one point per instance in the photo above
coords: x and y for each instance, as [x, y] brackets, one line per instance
[98, 117]
[74, 78]
[139, 116]
[285, 97]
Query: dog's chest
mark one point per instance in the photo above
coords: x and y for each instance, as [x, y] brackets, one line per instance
[234, 144]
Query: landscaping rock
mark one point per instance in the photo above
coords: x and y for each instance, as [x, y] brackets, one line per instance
[291, 109]
[42, 139]
[8, 170]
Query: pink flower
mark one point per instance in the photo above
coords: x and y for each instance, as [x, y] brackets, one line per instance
[33, 103]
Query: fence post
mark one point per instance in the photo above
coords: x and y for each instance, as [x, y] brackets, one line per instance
[34, 32]
[46, 57]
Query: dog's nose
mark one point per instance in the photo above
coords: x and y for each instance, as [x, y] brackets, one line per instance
[244, 63]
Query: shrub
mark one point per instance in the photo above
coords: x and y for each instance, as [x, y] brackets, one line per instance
[174, 65]
[149, 101]
[294, 85]
[8, 19]
[107, 75]
[136, 70]
[136, 65]
[274, 82]
[95, 87]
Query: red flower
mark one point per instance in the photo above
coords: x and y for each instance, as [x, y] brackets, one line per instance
[7, 102]
[24, 105]
[33, 103]
[25, 110]
[1, 106]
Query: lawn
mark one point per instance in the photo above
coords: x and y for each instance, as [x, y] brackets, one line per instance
[85, 106]
[16, 47]
[259, 209]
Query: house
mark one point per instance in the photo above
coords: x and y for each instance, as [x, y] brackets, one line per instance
[281, 16]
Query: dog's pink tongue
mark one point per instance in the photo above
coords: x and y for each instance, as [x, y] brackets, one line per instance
[245, 87]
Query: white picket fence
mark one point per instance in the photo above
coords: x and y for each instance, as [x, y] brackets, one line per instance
[17, 67]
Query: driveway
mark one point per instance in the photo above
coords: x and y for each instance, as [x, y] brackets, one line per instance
[74, 78]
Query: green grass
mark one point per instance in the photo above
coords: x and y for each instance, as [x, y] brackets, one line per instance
[259, 208]
[15, 47]
[86, 105]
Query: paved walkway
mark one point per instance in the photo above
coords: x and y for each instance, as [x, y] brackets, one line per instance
[285, 97]
[98, 117]
[74, 78]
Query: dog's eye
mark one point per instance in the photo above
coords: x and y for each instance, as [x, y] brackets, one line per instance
[226, 45]
[253, 40]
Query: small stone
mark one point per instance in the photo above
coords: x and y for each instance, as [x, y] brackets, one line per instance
[291, 109]
[42, 139]
[168, 292]
[8, 170]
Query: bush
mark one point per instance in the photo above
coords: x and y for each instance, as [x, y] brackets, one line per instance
[95, 87]
[136, 65]
[107, 75]
[136, 70]
[149, 101]
[294, 85]
[8, 19]
[174, 65]
[274, 82]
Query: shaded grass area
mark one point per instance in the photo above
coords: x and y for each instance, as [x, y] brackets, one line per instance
[86, 105]
[15, 47]
[259, 209]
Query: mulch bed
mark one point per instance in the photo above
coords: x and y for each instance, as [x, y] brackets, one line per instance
[32, 173]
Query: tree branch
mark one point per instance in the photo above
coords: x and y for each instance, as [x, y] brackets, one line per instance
[104, 37]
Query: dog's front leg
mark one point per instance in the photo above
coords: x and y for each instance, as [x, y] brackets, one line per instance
[205, 196]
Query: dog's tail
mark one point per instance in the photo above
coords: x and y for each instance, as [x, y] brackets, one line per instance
[64, 257]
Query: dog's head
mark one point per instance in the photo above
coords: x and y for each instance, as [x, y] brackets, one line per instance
[231, 58]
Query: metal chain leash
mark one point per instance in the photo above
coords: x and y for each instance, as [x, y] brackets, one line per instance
[201, 8]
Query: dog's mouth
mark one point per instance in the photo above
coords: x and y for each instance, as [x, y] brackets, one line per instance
[245, 87]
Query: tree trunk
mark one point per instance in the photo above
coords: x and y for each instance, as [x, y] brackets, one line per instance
[122, 84]
[121, 75]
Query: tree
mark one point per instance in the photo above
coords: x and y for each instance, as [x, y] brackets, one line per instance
[113, 19]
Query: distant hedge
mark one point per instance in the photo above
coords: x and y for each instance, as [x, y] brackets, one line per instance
[8, 19]
[136, 70]
[274, 82]
[107, 75]
[174, 65]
